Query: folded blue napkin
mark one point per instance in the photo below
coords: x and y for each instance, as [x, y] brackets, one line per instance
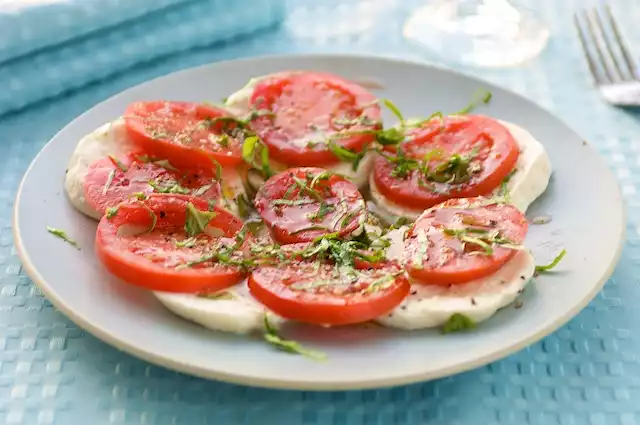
[48, 47]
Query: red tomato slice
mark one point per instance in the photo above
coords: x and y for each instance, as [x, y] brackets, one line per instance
[327, 204]
[107, 185]
[440, 248]
[306, 109]
[159, 259]
[320, 294]
[492, 149]
[184, 133]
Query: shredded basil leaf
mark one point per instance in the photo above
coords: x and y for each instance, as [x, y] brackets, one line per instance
[111, 212]
[551, 265]
[197, 220]
[480, 96]
[458, 322]
[252, 147]
[172, 187]
[63, 235]
[118, 163]
[272, 337]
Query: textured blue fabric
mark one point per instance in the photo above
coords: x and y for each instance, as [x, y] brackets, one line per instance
[54, 70]
[28, 25]
[587, 373]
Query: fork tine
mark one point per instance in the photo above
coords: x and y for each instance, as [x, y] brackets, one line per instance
[597, 34]
[619, 68]
[631, 67]
[587, 53]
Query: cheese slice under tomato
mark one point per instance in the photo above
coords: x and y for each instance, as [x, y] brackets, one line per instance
[529, 181]
[112, 139]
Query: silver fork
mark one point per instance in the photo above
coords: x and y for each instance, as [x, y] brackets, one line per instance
[608, 58]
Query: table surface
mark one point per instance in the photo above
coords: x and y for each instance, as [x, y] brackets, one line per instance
[588, 372]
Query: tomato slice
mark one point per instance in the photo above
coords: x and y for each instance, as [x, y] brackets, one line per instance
[467, 156]
[462, 240]
[301, 204]
[315, 293]
[305, 109]
[107, 184]
[162, 257]
[187, 134]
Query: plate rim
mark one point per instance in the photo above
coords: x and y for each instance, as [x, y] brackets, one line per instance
[363, 384]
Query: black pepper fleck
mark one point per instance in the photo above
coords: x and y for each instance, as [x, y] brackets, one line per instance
[520, 291]
[523, 277]
[414, 292]
[404, 307]
[163, 214]
[473, 301]
[518, 304]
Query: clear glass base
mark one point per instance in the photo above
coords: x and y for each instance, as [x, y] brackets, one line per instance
[486, 33]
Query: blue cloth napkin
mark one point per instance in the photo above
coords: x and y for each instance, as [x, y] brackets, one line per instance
[29, 25]
[132, 32]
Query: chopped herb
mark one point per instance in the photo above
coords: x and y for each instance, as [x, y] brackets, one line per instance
[218, 169]
[293, 202]
[187, 243]
[322, 212]
[223, 140]
[347, 155]
[272, 337]
[390, 136]
[164, 163]
[483, 238]
[394, 109]
[253, 147]
[201, 190]
[458, 322]
[211, 204]
[197, 220]
[480, 96]
[172, 187]
[548, 267]
[111, 212]
[223, 295]
[382, 282]
[154, 217]
[112, 174]
[244, 206]
[118, 163]
[308, 229]
[401, 221]
[140, 196]
[63, 235]
[313, 193]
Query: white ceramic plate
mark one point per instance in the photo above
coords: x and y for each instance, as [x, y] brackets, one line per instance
[583, 199]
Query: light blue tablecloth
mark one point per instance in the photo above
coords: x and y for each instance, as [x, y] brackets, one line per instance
[587, 373]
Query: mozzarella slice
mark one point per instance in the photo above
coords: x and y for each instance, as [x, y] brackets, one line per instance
[112, 139]
[529, 181]
[240, 313]
[533, 169]
[108, 139]
[430, 306]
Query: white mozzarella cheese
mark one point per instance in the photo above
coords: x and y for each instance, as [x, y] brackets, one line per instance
[108, 139]
[112, 139]
[237, 313]
[430, 306]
